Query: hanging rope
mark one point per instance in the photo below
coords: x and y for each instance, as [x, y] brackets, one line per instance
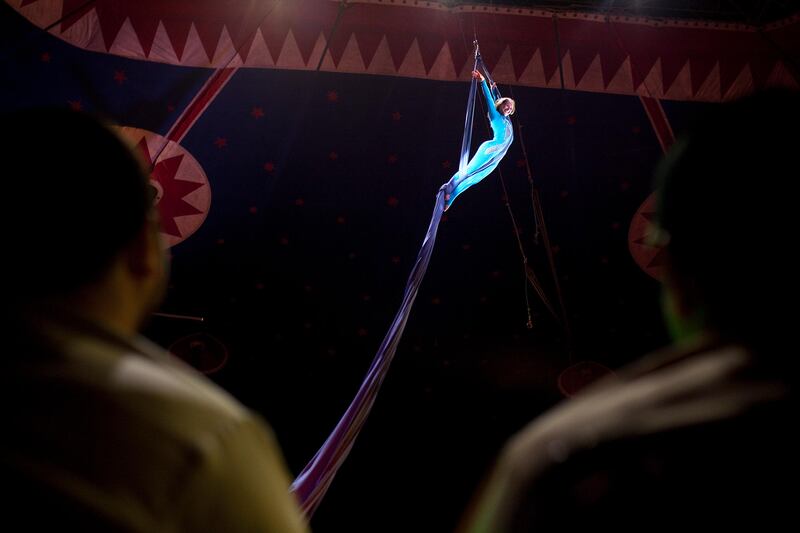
[540, 230]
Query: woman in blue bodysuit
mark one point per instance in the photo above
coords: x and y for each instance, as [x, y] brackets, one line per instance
[489, 154]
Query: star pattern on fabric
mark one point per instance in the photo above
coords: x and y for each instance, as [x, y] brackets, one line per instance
[257, 113]
[171, 203]
[659, 258]
[120, 77]
[221, 142]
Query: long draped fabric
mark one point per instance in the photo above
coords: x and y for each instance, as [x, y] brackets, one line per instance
[313, 482]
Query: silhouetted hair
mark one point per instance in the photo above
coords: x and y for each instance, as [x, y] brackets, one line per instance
[728, 205]
[76, 195]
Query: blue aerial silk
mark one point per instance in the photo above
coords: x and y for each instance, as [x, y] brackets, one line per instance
[489, 154]
[313, 482]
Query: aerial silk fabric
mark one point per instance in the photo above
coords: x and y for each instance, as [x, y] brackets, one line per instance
[313, 482]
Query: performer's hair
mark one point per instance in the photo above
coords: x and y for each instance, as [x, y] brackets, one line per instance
[500, 101]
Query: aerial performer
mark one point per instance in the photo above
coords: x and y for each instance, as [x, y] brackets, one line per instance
[313, 482]
[489, 154]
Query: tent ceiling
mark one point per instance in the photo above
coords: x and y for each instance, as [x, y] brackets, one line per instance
[755, 12]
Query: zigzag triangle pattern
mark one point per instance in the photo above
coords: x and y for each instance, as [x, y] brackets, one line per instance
[681, 60]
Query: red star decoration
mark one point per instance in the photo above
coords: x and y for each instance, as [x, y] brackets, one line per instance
[659, 260]
[299, 202]
[170, 108]
[446, 164]
[333, 156]
[45, 57]
[396, 115]
[392, 159]
[75, 105]
[171, 204]
[333, 96]
[571, 120]
[636, 130]
[257, 113]
[520, 163]
[120, 77]
[269, 166]
[650, 254]
[253, 210]
[221, 142]
[392, 201]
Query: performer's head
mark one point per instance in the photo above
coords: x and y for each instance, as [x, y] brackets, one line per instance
[505, 106]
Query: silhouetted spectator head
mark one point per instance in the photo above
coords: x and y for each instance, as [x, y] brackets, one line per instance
[727, 213]
[78, 201]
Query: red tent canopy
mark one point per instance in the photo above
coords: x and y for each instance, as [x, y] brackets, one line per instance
[660, 58]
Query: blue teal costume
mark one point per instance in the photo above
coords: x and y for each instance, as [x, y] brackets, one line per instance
[488, 155]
